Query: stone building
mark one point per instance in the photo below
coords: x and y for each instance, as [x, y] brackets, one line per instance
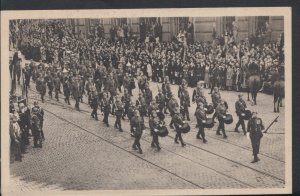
[203, 26]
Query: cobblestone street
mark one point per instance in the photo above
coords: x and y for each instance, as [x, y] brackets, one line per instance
[80, 153]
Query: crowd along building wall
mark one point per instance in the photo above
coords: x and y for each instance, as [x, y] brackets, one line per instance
[203, 26]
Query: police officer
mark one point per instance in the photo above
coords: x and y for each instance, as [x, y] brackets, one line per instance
[240, 107]
[178, 122]
[40, 113]
[201, 120]
[119, 108]
[105, 104]
[137, 126]
[154, 123]
[221, 115]
[94, 104]
[36, 128]
[185, 103]
[255, 127]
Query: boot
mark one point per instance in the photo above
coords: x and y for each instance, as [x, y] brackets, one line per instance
[236, 130]
[183, 144]
[140, 151]
[134, 147]
[204, 141]
[152, 145]
[158, 148]
[176, 141]
[218, 133]
[198, 137]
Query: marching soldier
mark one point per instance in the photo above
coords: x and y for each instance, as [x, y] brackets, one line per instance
[49, 80]
[88, 88]
[119, 107]
[196, 93]
[24, 114]
[105, 104]
[76, 91]
[137, 127]
[148, 96]
[160, 100]
[154, 124]
[40, 113]
[166, 90]
[221, 115]
[201, 119]
[240, 107]
[126, 101]
[152, 108]
[41, 86]
[94, 104]
[27, 74]
[67, 90]
[255, 127]
[36, 128]
[173, 106]
[185, 103]
[216, 98]
[141, 105]
[56, 82]
[181, 87]
[178, 122]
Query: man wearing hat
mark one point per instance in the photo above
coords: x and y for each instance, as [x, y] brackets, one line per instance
[161, 101]
[119, 108]
[254, 128]
[41, 86]
[178, 122]
[15, 136]
[40, 114]
[141, 105]
[240, 107]
[201, 119]
[166, 90]
[216, 98]
[36, 127]
[173, 106]
[221, 115]
[27, 75]
[137, 126]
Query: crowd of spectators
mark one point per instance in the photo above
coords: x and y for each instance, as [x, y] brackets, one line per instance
[55, 43]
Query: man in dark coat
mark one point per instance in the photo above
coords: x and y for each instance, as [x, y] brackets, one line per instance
[201, 119]
[94, 104]
[178, 122]
[255, 127]
[137, 127]
[240, 107]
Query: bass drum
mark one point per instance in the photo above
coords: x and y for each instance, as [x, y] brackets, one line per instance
[228, 119]
[209, 123]
[162, 131]
[185, 128]
[209, 109]
[246, 115]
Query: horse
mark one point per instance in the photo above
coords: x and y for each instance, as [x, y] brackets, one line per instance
[254, 85]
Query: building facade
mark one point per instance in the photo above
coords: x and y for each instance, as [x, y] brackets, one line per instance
[203, 26]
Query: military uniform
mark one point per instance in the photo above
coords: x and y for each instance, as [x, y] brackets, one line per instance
[137, 127]
[173, 106]
[221, 112]
[36, 128]
[201, 119]
[15, 137]
[56, 82]
[105, 104]
[240, 106]
[126, 101]
[119, 107]
[185, 104]
[49, 80]
[41, 87]
[178, 122]
[154, 124]
[67, 90]
[94, 104]
[161, 102]
[76, 92]
[255, 127]
[141, 105]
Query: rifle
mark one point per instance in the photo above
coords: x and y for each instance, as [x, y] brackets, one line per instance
[275, 120]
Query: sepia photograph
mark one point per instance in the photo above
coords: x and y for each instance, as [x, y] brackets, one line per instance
[146, 101]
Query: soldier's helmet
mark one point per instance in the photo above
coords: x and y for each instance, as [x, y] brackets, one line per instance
[34, 110]
[36, 103]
